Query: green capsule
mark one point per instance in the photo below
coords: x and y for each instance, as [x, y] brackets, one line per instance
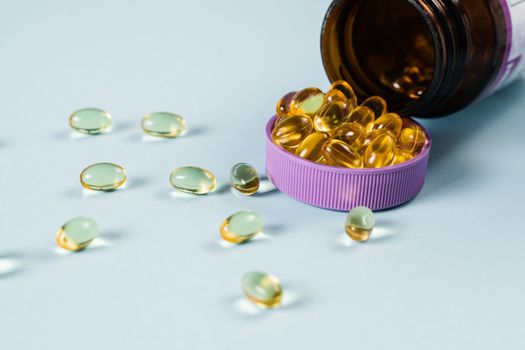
[262, 289]
[77, 233]
[103, 177]
[90, 121]
[242, 226]
[163, 124]
[359, 223]
[193, 180]
[245, 179]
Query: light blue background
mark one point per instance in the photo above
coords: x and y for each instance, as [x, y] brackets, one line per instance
[445, 271]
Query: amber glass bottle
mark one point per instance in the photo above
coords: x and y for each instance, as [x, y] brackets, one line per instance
[426, 57]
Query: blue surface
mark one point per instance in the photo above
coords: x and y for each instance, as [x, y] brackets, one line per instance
[442, 272]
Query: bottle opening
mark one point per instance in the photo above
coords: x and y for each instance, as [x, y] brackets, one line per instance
[380, 47]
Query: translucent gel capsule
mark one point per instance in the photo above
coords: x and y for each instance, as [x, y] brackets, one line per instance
[380, 152]
[391, 122]
[335, 95]
[338, 153]
[77, 233]
[283, 108]
[241, 226]
[359, 224]
[376, 104]
[245, 179]
[347, 90]
[312, 147]
[353, 134]
[330, 116]
[163, 124]
[401, 157]
[307, 101]
[290, 132]
[193, 180]
[371, 136]
[262, 289]
[364, 116]
[103, 177]
[412, 140]
[90, 121]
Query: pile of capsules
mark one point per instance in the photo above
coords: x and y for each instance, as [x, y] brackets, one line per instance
[333, 129]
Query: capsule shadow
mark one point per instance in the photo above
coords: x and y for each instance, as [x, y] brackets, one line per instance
[11, 264]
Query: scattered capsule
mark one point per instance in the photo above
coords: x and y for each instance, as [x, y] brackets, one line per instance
[312, 147]
[389, 121]
[380, 152]
[241, 226]
[335, 95]
[401, 157]
[262, 289]
[353, 134]
[283, 108]
[77, 233]
[193, 180]
[338, 153]
[90, 121]
[364, 116]
[347, 90]
[330, 116]
[103, 177]
[290, 132]
[307, 101]
[245, 179]
[376, 104]
[412, 140]
[163, 124]
[359, 224]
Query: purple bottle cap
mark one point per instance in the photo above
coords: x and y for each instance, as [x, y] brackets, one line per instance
[342, 189]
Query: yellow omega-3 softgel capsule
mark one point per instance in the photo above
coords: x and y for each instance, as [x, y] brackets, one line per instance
[330, 116]
[338, 153]
[371, 136]
[412, 140]
[262, 289]
[307, 101]
[391, 122]
[401, 157]
[283, 108]
[290, 132]
[376, 104]
[245, 178]
[364, 116]
[380, 152]
[312, 147]
[353, 134]
[347, 90]
[335, 95]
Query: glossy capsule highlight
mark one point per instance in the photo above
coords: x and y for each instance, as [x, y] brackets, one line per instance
[362, 115]
[262, 289]
[359, 224]
[412, 140]
[103, 177]
[376, 104]
[284, 106]
[290, 132]
[391, 122]
[338, 153]
[194, 180]
[330, 116]
[307, 101]
[380, 152]
[77, 233]
[353, 134]
[347, 91]
[312, 147]
[245, 179]
[241, 226]
[90, 121]
[163, 124]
